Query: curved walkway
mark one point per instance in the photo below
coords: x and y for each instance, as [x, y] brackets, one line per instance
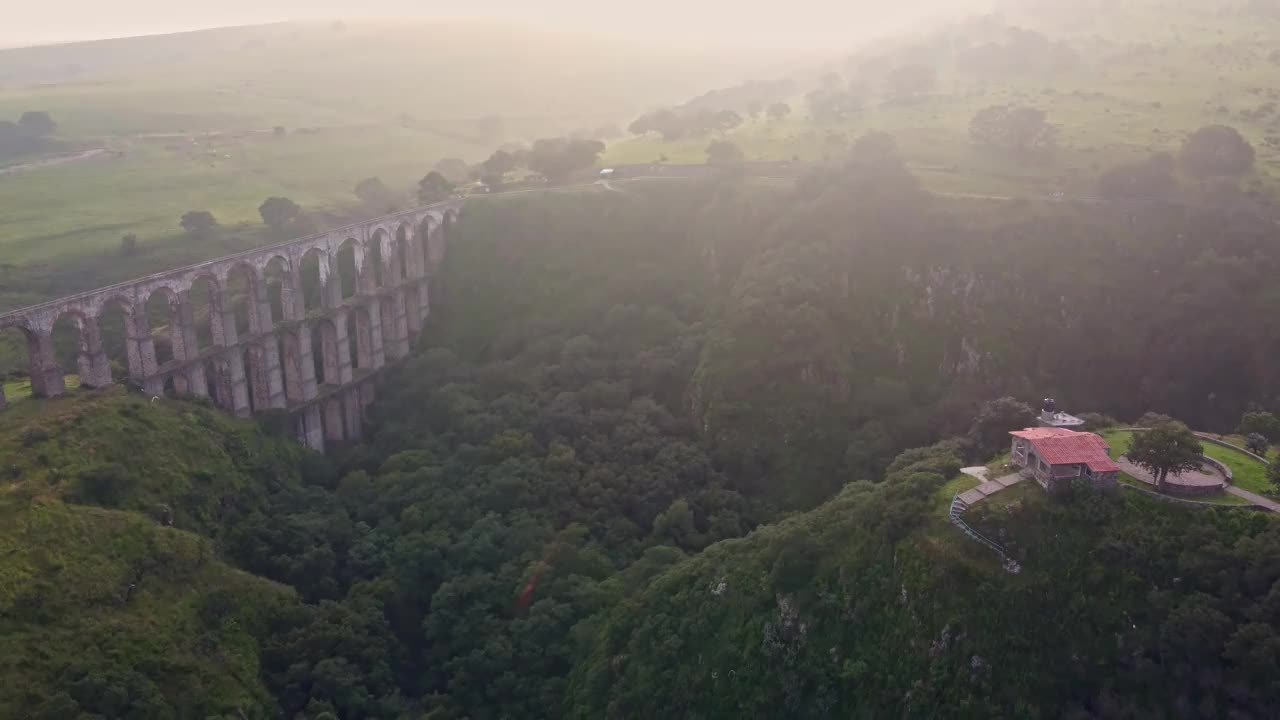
[1190, 479]
[988, 487]
[1254, 498]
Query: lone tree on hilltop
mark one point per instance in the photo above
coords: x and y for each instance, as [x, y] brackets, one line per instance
[278, 212]
[375, 193]
[1015, 131]
[779, 111]
[198, 222]
[559, 158]
[1217, 150]
[453, 169]
[434, 188]
[1257, 444]
[129, 245]
[1164, 449]
[724, 152]
[995, 419]
[37, 123]
[500, 162]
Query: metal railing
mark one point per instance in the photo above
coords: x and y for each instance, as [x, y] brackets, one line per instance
[957, 509]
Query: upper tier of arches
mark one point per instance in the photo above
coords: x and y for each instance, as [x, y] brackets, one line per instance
[404, 242]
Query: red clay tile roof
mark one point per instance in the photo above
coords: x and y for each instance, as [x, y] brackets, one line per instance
[1059, 446]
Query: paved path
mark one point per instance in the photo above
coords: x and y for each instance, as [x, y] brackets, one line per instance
[989, 488]
[1254, 498]
[1206, 477]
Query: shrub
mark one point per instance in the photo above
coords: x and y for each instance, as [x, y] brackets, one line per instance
[108, 485]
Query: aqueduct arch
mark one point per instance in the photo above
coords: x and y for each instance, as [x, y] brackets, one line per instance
[291, 351]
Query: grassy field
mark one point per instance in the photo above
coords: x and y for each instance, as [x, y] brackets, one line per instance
[188, 119]
[1149, 75]
[89, 584]
[146, 185]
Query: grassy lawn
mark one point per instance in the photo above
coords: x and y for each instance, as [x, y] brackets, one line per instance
[953, 487]
[1223, 499]
[1247, 473]
[999, 466]
[1239, 441]
[1026, 491]
[145, 186]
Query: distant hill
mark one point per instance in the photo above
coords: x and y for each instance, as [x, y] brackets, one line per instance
[441, 75]
[1118, 81]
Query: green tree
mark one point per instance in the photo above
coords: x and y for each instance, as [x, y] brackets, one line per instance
[995, 420]
[500, 162]
[129, 245]
[1014, 131]
[1164, 449]
[779, 111]
[434, 188]
[1260, 422]
[37, 123]
[724, 152]
[453, 169]
[1257, 444]
[1217, 150]
[198, 222]
[278, 212]
[373, 192]
[559, 158]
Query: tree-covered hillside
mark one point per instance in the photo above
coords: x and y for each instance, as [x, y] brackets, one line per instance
[114, 600]
[628, 397]
[872, 606]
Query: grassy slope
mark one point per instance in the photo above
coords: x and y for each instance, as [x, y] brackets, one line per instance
[391, 102]
[1122, 104]
[84, 588]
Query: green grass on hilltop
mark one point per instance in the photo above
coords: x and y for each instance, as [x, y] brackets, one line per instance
[92, 599]
[177, 461]
[96, 587]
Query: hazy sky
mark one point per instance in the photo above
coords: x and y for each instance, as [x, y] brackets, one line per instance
[795, 23]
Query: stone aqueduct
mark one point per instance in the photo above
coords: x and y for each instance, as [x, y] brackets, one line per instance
[272, 366]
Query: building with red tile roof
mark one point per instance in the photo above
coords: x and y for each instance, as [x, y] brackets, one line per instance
[1054, 456]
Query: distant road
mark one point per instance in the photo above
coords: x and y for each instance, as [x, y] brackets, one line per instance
[788, 170]
[49, 161]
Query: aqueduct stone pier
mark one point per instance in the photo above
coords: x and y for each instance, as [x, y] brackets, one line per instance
[313, 354]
